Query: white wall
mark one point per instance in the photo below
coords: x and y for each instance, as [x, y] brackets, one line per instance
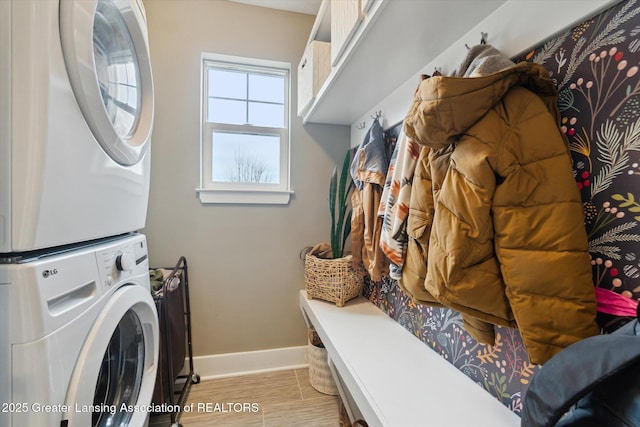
[244, 268]
[513, 28]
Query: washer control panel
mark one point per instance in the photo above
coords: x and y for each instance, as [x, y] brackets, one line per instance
[123, 260]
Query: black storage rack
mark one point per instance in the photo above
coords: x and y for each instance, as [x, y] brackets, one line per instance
[174, 316]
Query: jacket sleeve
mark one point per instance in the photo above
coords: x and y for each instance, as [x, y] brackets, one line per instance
[463, 272]
[540, 236]
[419, 220]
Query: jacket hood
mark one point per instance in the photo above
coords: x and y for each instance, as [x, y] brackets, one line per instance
[482, 60]
[446, 106]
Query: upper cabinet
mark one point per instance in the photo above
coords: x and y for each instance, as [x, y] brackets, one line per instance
[375, 46]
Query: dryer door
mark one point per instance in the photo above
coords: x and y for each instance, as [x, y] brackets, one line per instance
[114, 378]
[106, 53]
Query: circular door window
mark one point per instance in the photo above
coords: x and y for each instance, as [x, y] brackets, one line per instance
[105, 49]
[114, 377]
[120, 374]
[116, 68]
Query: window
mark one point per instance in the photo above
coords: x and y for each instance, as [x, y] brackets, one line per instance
[245, 130]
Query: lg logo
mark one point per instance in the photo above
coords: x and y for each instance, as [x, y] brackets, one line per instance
[48, 273]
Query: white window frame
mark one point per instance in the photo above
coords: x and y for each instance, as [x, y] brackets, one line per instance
[237, 192]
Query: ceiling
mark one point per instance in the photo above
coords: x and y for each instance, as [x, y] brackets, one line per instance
[309, 7]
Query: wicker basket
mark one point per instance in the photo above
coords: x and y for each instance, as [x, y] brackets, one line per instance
[320, 376]
[333, 280]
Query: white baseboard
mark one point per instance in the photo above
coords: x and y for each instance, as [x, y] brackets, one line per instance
[249, 362]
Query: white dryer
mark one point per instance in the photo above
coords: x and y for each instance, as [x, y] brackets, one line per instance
[79, 337]
[76, 115]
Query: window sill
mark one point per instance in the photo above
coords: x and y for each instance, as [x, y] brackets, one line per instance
[243, 197]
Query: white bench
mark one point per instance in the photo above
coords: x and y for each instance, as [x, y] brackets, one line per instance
[388, 377]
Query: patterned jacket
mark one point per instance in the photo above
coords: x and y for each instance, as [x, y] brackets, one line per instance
[394, 205]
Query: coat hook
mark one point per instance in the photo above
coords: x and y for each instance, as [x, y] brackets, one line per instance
[483, 39]
[361, 126]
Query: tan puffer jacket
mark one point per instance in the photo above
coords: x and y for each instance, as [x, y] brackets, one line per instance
[496, 208]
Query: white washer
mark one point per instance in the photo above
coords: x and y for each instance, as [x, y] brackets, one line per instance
[79, 337]
[76, 115]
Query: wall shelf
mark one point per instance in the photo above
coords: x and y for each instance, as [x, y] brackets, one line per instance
[394, 41]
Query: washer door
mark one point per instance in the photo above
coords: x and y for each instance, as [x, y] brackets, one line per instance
[114, 378]
[106, 53]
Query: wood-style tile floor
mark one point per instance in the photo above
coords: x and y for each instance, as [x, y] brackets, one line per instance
[278, 399]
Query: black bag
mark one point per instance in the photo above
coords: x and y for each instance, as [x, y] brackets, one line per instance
[592, 383]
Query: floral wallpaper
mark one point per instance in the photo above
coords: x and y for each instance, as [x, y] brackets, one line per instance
[503, 370]
[595, 67]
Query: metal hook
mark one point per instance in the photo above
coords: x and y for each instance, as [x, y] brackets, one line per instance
[483, 39]
[375, 117]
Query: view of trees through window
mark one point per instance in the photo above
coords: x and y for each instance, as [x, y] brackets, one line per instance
[247, 158]
[248, 168]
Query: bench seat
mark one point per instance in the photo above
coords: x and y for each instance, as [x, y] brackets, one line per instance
[388, 377]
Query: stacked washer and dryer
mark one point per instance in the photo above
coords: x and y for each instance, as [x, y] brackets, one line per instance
[78, 326]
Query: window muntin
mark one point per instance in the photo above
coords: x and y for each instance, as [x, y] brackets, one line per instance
[246, 98]
[245, 125]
